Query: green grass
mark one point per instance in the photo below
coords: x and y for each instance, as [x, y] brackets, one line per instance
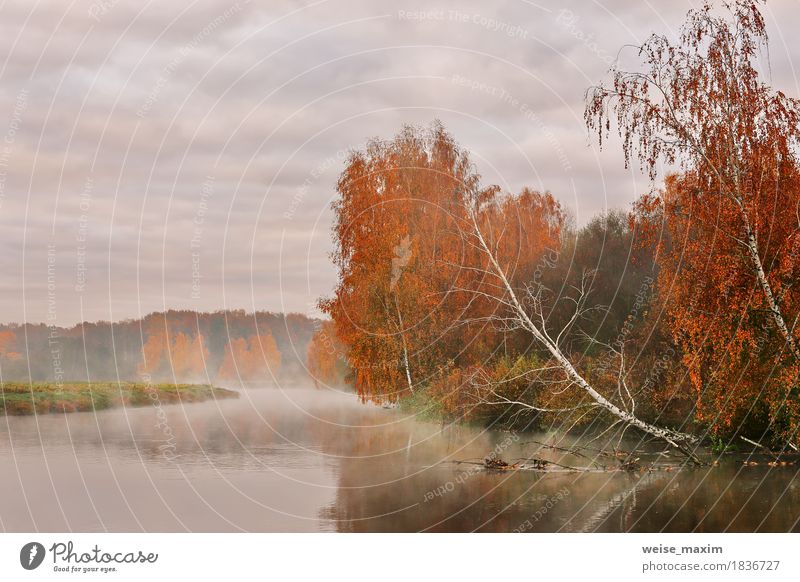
[422, 406]
[719, 446]
[18, 398]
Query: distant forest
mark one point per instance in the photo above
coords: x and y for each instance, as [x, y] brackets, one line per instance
[224, 347]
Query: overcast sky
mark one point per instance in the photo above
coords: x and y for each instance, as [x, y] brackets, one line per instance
[164, 155]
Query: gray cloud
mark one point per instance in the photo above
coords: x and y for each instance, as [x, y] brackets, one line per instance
[121, 115]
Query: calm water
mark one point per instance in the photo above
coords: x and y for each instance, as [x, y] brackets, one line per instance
[312, 460]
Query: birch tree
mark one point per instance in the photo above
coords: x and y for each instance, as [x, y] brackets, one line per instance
[700, 105]
[524, 308]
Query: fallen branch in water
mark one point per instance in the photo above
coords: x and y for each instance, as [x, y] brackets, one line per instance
[542, 464]
[497, 464]
[630, 465]
[617, 455]
[573, 451]
[760, 446]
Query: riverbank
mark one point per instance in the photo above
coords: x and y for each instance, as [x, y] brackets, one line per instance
[19, 399]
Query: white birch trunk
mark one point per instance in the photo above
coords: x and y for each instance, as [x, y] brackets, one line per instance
[677, 440]
[766, 288]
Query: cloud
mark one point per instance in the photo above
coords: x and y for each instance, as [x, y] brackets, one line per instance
[131, 108]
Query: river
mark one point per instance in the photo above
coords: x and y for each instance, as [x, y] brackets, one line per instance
[308, 460]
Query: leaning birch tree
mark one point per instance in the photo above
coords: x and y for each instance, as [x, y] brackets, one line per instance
[700, 104]
[523, 308]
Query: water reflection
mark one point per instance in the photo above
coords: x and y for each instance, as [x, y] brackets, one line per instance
[310, 460]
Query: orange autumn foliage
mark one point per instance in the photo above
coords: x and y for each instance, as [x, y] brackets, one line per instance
[188, 356]
[406, 302]
[182, 355]
[8, 346]
[726, 228]
[252, 359]
[734, 356]
[168, 354]
[154, 348]
[326, 357]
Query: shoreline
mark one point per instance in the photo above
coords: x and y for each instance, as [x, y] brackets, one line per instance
[26, 399]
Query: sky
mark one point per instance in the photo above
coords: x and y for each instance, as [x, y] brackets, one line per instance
[159, 155]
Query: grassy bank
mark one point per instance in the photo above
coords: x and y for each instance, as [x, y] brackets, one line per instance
[22, 398]
[422, 406]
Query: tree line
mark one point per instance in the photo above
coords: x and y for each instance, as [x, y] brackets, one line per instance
[229, 347]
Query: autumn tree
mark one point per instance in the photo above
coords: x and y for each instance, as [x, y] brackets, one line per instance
[252, 359]
[155, 340]
[326, 356]
[398, 251]
[8, 345]
[405, 259]
[728, 232]
[187, 356]
[12, 362]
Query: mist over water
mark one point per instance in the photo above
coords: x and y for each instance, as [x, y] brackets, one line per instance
[304, 459]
